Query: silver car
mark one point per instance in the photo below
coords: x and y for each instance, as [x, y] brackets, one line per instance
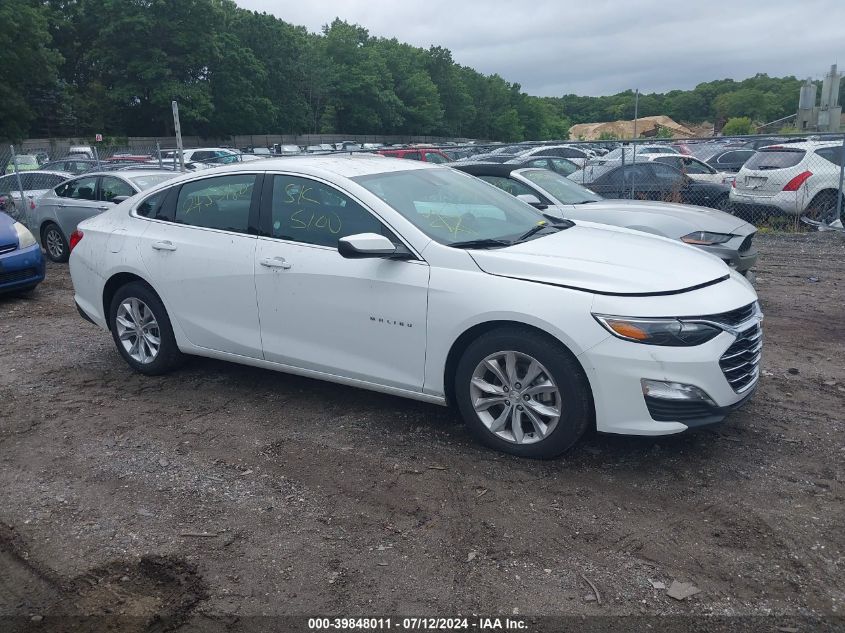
[721, 234]
[61, 209]
[35, 184]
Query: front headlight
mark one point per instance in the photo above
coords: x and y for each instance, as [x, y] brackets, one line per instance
[25, 238]
[666, 332]
[706, 238]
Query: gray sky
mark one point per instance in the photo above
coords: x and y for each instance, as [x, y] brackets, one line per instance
[597, 47]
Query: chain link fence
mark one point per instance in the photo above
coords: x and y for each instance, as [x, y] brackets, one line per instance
[771, 181]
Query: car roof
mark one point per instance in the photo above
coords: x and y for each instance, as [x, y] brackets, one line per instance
[488, 169]
[805, 145]
[339, 164]
[128, 173]
[42, 172]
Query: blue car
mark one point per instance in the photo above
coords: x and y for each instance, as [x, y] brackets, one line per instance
[21, 261]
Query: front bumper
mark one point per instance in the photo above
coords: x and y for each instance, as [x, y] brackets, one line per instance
[616, 367]
[740, 261]
[21, 269]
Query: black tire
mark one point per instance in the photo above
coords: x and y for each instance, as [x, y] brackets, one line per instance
[168, 357]
[60, 252]
[822, 207]
[567, 374]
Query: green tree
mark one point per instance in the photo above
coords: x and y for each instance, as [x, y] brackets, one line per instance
[738, 126]
[29, 64]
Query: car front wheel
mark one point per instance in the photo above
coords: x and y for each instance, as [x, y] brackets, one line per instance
[522, 393]
[141, 330]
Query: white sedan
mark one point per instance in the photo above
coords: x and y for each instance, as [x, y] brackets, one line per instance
[420, 281]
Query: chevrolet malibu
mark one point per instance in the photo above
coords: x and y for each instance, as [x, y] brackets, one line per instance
[420, 281]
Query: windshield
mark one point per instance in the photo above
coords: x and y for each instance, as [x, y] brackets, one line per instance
[147, 181]
[452, 207]
[563, 190]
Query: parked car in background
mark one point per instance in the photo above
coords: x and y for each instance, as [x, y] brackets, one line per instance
[21, 262]
[61, 209]
[576, 155]
[629, 151]
[718, 233]
[35, 184]
[202, 157]
[792, 179]
[646, 180]
[348, 146]
[286, 150]
[25, 162]
[424, 154]
[85, 151]
[563, 166]
[70, 165]
[692, 167]
[397, 275]
[725, 159]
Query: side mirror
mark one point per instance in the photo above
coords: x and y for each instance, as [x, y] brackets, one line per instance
[365, 245]
[119, 199]
[533, 200]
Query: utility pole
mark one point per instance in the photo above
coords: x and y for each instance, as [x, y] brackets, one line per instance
[178, 130]
[634, 158]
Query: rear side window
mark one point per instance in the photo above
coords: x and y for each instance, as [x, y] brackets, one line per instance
[217, 203]
[151, 206]
[738, 156]
[79, 189]
[833, 154]
[775, 159]
[434, 157]
[111, 187]
[412, 155]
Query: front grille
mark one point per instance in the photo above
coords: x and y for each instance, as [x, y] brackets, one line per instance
[17, 275]
[741, 362]
[7, 248]
[733, 318]
[746, 244]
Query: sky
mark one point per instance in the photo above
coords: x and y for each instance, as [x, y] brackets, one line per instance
[600, 47]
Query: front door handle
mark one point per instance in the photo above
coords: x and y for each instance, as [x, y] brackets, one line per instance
[103, 208]
[275, 262]
[165, 245]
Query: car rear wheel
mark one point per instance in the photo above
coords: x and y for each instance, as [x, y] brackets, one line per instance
[822, 207]
[55, 244]
[523, 394]
[141, 330]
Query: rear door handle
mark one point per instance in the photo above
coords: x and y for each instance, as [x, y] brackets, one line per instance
[275, 262]
[165, 245]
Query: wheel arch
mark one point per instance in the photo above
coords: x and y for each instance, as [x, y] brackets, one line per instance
[117, 281]
[468, 336]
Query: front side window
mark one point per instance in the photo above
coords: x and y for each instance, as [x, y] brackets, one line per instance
[563, 166]
[78, 189]
[666, 175]
[508, 184]
[449, 206]
[222, 202]
[412, 156]
[111, 188]
[692, 166]
[564, 190]
[740, 156]
[434, 157]
[311, 212]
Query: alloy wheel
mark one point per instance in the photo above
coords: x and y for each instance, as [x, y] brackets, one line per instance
[138, 331]
[515, 397]
[55, 243]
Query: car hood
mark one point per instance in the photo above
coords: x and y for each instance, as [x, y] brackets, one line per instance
[683, 218]
[605, 260]
[8, 235]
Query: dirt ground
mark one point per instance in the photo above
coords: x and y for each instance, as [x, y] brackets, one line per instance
[220, 492]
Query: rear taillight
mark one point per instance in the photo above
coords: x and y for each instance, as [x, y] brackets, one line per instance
[795, 183]
[733, 183]
[75, 238]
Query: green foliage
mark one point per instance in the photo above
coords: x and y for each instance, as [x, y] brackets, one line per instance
[113, 66]
[738, 126]
[608, 136]
[788, 129]
[663, 132]
[29, 65]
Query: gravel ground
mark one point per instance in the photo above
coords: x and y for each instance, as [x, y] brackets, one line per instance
[223, 492]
